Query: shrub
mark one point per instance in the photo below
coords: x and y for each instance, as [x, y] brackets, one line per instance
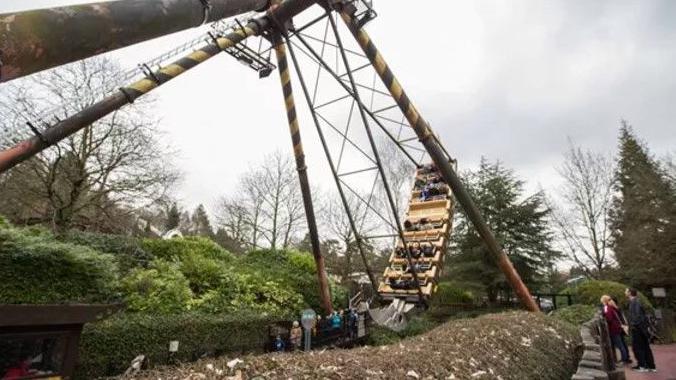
[35, 268]
[252, 293]
[590, 293]
[449, 293]
[575, 314]
[204, 274]
[107, 347]
[292, 270]
[3, 222]
[162, 289]
[127, 250]
[177, 249]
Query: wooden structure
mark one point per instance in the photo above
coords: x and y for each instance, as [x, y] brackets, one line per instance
[41, 341]
[427, 230]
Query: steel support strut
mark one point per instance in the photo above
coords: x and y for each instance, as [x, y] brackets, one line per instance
[348, 212]
[319, 60]
[299, 154]
[426, 136]
[36, 40]
[50, 136]
[379, 164]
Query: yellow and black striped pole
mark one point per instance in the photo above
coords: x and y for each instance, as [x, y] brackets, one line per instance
[28, 148]
[299, 154]
[426, 136]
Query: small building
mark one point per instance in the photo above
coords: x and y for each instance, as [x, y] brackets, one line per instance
[41, 341]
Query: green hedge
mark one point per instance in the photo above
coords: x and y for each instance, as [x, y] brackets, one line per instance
[590, 293]
[576, 314]
[35, 268]
[178, 248]
[293, 270]
[107, 347]
[448, 293]
[127, 250]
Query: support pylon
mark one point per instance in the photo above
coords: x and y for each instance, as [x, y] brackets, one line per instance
[301, 167]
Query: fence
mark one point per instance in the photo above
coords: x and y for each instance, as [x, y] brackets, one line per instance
[598, 357]
[323, 336]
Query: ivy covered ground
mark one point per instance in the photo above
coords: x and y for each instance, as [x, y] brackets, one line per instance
[514, 345]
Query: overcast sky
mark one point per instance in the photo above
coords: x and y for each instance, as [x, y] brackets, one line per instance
[505, 80]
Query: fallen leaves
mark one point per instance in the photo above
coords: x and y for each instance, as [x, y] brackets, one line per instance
[501, 346]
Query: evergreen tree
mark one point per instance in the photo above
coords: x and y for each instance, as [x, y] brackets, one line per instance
[520, 225]
[643, 216]
[226, 241]
[173, 217]
[201, 226]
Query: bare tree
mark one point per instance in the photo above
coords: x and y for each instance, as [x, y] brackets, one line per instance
[400, 172]
[336, 221]
[267, 209]
[582, 220]
[113, 165]
[233, 218]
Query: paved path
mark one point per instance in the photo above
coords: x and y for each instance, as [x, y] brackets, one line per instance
[665, 361]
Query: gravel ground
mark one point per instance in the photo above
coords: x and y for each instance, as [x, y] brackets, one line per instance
[515, 345]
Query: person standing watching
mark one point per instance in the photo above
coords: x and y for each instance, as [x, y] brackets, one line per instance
[612, 316]
[640, 339]
[295, 336]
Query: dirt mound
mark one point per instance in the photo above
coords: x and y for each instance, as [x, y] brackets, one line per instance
[514, 345]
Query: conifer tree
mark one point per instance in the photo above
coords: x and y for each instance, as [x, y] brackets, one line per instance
[173, 217]
[643, 216]
[520, 224]
[201, 226]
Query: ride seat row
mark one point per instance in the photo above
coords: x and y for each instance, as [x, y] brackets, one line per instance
[426, 232]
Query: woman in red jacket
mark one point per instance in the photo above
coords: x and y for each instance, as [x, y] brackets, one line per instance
[612, 316]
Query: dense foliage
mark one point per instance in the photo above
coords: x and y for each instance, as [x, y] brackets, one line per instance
[35, 268]
[153, 276]
[449, 293]
[576, 314]
[519, 223]
[643, 217]
[127, 250]
[590, 292]
[107, 347]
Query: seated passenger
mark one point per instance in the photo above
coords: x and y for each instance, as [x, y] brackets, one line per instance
[402, 284]
[424, 224]
[401, 252]
[419, 183]
[434, 191]
[428, 250]
[408, 226]
[425, 193]
[428, 168]
[415, 250]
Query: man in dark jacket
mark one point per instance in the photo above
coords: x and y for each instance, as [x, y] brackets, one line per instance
[640, 339]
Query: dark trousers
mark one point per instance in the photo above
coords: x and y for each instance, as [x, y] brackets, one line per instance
[618, 343]
[640, 343]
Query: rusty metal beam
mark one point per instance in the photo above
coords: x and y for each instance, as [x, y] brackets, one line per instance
[301, 167]
[36, 40]
[50, 136]
[435, 150]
